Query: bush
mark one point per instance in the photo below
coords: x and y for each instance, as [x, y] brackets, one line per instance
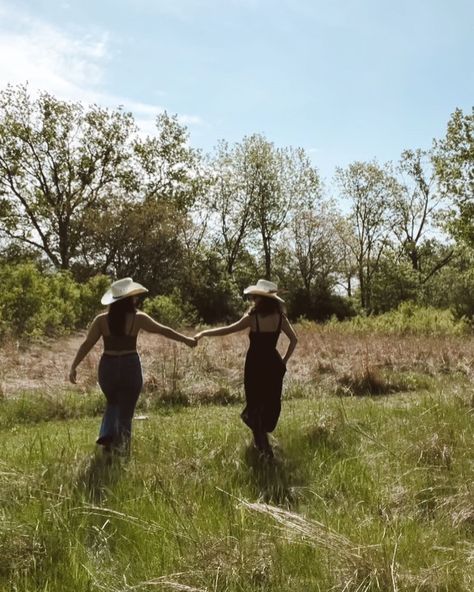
[25, 303]
[171, 310]
[90, 295]
[34, 303]
[408, 318]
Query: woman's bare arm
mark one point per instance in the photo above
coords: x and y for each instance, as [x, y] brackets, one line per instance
[240, 325]
[148, 324]
[91, 339]
[290, 333]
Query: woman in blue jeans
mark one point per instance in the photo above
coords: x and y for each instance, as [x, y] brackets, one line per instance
[120, 370]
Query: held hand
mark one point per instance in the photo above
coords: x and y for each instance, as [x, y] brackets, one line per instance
[191, 342]
[198, 336]
[72, 375]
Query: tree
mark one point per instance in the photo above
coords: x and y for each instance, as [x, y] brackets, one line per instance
[137, 239]
[347, 245]
[454, 162]
[415, 206]
[283, 181]
[231, 199]
[314, 246]
[371, 189]
[167, 168]
[308, 261]
[57, 160]
[394, 282]
[257, 187]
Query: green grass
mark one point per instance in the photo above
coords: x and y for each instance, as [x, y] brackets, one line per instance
[365, 493]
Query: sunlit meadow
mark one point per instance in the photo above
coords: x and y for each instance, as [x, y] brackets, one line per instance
[371, 489]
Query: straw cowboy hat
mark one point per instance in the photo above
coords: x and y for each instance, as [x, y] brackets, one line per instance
[122, 289]
[264, 288]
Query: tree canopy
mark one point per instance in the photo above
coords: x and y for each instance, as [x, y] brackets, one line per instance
[82, 191]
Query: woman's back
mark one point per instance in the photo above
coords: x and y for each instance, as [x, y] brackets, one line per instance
[131, 325]
[270, 323]
[126, 340]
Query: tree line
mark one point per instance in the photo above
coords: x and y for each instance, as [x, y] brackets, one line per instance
[84, 193]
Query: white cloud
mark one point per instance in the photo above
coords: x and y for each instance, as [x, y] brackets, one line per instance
[68, 64]
[190, 120]
[146, 114]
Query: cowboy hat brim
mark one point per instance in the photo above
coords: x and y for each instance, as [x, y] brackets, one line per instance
[135, 290]
[254, 291]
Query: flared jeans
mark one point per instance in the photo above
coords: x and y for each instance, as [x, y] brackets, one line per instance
[121, 381]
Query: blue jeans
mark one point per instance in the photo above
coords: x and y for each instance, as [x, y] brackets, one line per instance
[121, 381]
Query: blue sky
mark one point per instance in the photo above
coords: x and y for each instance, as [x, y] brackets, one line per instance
[346, 80]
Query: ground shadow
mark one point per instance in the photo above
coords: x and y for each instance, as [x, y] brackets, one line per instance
[275, 480]
[101, 471]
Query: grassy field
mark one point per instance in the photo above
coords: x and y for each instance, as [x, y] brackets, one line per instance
[372, 487]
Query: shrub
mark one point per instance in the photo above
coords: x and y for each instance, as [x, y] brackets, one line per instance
[171, 310]
[34, 303]
[408, 318]
[90, 295]
[24, 303]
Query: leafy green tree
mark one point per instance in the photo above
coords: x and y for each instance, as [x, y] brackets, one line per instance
[167, 168]
[454, 161]
[314, 247]
[257, 189]
[231, 201]
[57, 160]
[417, 205]
[453, 285]
[139, 239]
[395, 281]
[371, 189]
[284, 181]
[208, 287]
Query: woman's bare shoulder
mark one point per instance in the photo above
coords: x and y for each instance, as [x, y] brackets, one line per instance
[100, 318]
[142, 319]
[142, 315]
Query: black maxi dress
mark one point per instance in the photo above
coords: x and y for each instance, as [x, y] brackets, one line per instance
[263, 380]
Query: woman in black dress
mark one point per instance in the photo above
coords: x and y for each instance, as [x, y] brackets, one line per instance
[264, 367]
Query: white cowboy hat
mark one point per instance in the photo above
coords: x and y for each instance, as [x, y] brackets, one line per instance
[122, 289]
[264, 288]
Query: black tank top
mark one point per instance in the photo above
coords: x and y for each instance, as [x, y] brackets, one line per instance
[121, 343]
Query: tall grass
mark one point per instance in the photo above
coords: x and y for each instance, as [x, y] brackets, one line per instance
[371, 488]
[369, 494]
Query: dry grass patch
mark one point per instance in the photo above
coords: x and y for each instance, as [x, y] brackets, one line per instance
[460, 508]
[435, 451]
[325, 359]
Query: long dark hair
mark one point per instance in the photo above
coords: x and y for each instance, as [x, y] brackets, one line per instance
[118, 313]
[265, 306]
